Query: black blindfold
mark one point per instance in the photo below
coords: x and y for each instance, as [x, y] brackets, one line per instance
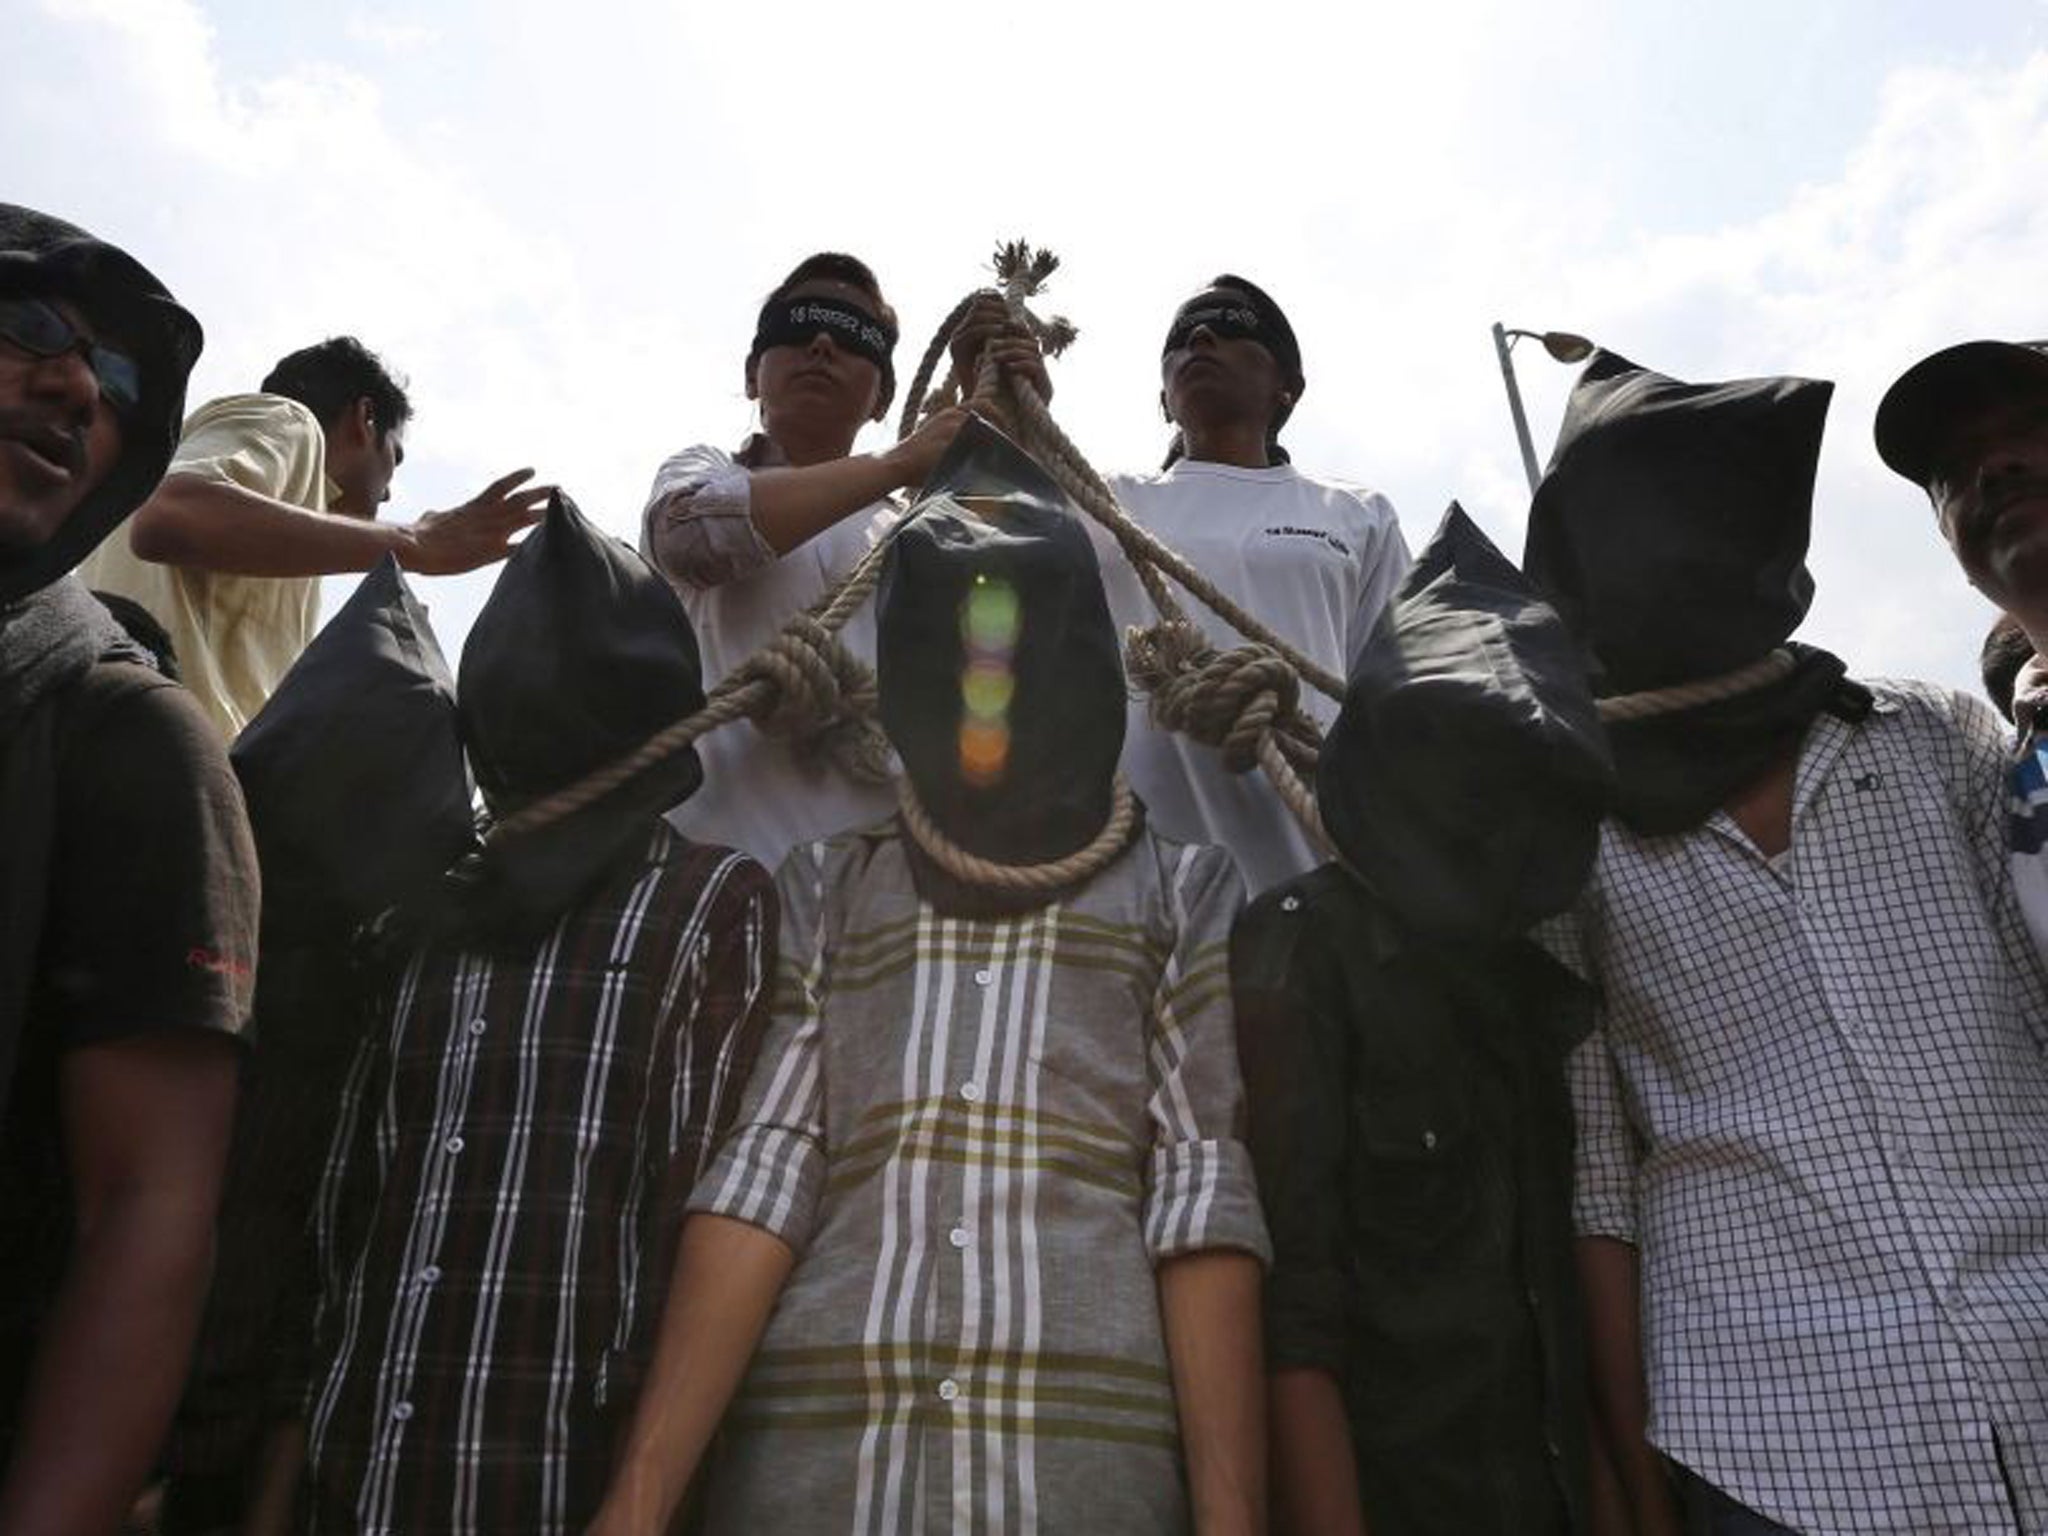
[792, 322]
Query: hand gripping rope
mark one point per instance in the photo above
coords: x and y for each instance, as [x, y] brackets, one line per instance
[806, 686]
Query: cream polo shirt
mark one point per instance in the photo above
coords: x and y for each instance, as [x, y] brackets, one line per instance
[235, 636]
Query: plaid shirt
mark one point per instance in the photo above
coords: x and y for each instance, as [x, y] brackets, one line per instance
[496, 1222]
[1819, 1103]
[981, 1137]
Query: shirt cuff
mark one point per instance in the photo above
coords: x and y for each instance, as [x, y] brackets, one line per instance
[1305, 1312]
[1202, 1195]
[768, 1176]
[1604, 1204]
[702, 530]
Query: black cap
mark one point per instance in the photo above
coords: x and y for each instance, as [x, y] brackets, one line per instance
[1928, 399]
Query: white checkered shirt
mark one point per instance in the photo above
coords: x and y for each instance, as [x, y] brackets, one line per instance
[1818, 1102]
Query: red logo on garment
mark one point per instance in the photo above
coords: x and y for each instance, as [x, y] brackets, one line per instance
[220, 965]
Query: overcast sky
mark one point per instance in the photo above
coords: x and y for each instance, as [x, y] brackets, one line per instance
[558, 220]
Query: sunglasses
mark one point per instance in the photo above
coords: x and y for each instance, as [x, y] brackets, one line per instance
[41, 330]
[1228, 321]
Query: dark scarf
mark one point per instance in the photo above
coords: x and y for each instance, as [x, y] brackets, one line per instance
[1001, 684]
[1676, 770]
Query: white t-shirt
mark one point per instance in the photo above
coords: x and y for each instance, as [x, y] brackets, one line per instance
[760, 795]
[1313, 560]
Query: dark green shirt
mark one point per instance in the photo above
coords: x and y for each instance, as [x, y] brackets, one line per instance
[1412, 1134]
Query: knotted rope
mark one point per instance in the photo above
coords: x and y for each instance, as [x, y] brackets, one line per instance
[805, 686]
[956, 861]
[1668, 701]
[1245, 701]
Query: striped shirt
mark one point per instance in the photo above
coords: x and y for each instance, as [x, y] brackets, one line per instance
[495, 1227]
[981, 1138]
[1818, 1102]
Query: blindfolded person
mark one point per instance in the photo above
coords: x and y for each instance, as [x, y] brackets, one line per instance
[1313, 559]
[751, 539]
[267, 493]
[127, 902]
[1810, 1156]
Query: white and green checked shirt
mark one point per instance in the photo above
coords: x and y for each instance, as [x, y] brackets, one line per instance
[981, 1137]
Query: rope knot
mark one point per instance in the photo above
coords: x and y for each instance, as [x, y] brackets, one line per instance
[821, 693]
[1230, 700]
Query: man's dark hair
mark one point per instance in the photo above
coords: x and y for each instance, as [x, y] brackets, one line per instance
[333, 375]
[2006, 650]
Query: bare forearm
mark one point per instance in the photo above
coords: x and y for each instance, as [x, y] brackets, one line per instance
[110, 1369]
[726, 1280]
[1609, 1280]
[1315, 1474]
[277, 1482]
[793, 506]
[205, 525]
[1209, 1303]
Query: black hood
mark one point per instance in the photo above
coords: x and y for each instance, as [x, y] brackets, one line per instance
[1671, 527]
[582, 653]
[1001, 682]
[1466, 774]
[41, 256]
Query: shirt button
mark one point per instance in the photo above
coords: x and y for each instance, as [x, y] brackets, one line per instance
[1429, 1141]
[971, 1092]
[476, 1026]
[949, 1389]
[957, 1237]
[1290, 903]
[401, 1411]
[454, 1144]
[431, 1275]
[982, 978]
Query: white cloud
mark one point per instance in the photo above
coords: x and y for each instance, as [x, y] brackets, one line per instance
[559, 223]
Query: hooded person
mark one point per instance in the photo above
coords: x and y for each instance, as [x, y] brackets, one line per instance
[1312, 558]
[1671, 530]
[127, 901]
[1803, 874]
[1048, 1074]
[558, 1044]
[1404, 1042]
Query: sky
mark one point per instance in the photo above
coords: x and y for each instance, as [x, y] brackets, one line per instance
[558, 221]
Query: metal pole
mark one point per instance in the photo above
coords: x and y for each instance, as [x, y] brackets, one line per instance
[1507, 374]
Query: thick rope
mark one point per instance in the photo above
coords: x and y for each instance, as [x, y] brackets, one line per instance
[956, 861]
[804, 684]
[1668, 701]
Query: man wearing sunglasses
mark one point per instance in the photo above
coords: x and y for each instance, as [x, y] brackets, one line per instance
[267, 493]
[127, 903]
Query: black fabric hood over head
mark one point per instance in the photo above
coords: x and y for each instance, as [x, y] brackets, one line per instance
[43, 257]
[1000, 678]
[581, 654]
[353, 770]
[1467, 771]
[1671, 526]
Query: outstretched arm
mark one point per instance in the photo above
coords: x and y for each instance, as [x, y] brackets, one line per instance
[727, 1277]
[212, 524]
[146, 1127]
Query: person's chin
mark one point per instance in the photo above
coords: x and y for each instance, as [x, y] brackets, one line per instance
[27, 521]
